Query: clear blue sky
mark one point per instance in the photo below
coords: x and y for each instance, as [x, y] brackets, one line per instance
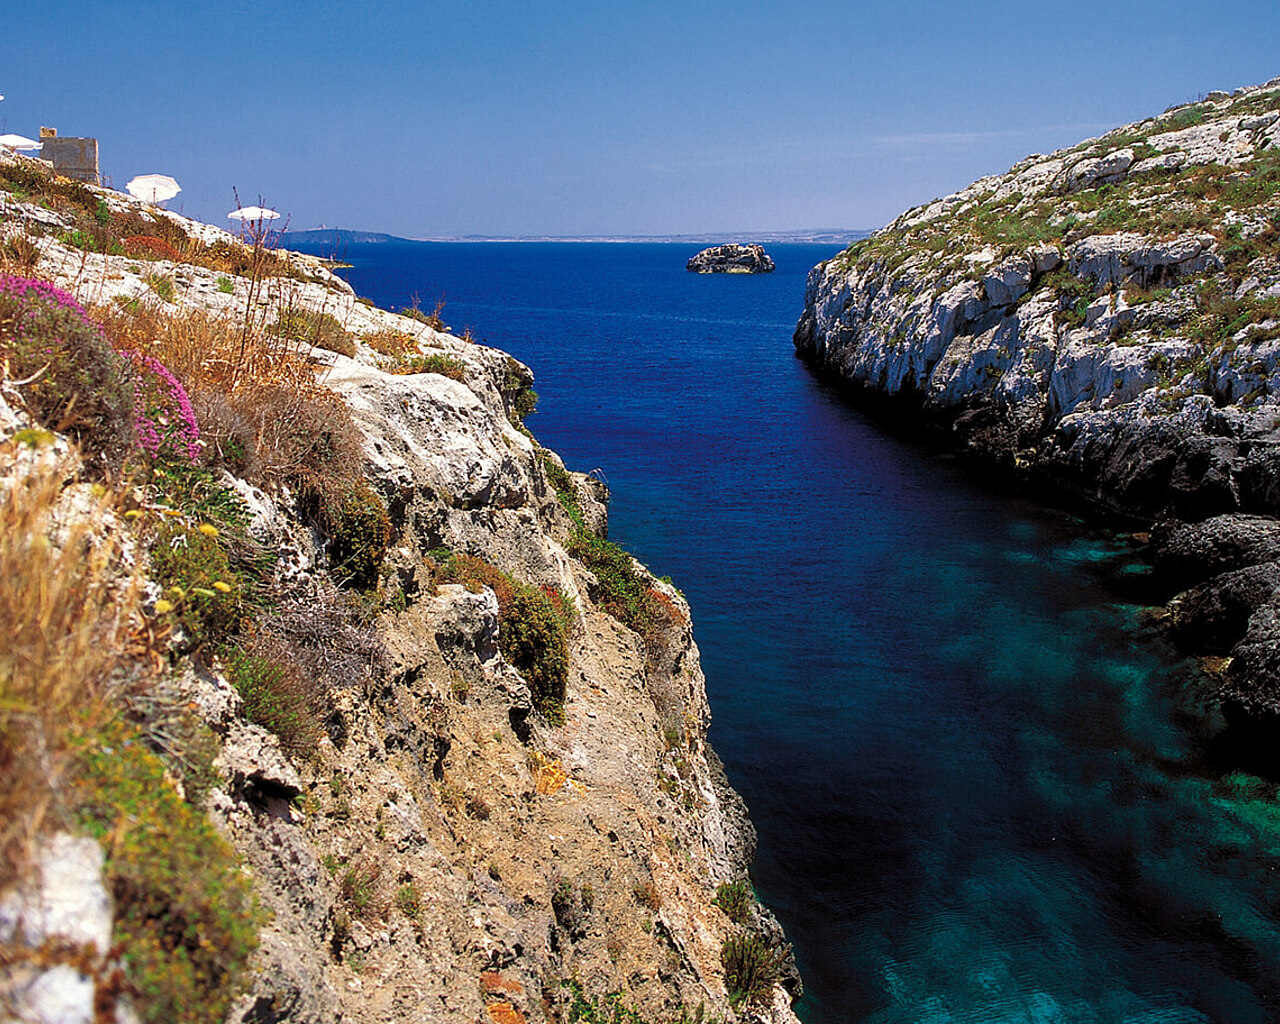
[565, 117]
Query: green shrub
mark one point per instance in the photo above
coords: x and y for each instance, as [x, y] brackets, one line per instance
[200, 588]
[736, 899]
[162, 285]
[533, 629]
[626, 595]
[225, 285]
[446, 366]
[751, 967]
[359, 532]
[610, 1009]
[76, 383]
[185, 917]
[77, 239]
[533, 637]
[1074, 296]
[276, 695]
[517, 392]
[558, 477]
[319, 329]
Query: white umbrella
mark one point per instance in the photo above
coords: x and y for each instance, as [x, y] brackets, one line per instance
[247, 213]
[153, 188]
[19, 142]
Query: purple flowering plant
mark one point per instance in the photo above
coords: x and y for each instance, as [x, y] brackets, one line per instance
[74, 381]
[164, 423]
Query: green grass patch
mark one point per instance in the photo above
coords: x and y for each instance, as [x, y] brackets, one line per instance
[736, 899]
[185, 916]
[322, 330]
[277, 697]
[751, 967]
[533, 628]
[359, 531]
[446, 366]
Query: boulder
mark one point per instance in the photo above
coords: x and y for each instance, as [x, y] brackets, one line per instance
[1212, 617]
[731, 259]
[1189, 553]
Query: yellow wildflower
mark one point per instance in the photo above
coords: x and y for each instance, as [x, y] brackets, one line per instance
[224, 588]
[208, 529]
[163, 607]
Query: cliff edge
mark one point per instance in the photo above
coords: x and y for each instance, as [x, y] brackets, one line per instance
[364, 717]
[1106, 318]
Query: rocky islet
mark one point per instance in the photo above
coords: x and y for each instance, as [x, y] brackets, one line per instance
[733, 258]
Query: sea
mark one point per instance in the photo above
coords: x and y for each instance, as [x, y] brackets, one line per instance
[986, 789]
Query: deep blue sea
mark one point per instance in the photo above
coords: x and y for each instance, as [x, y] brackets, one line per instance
[983, 786]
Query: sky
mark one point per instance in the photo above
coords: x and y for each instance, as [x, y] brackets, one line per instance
[559, 117]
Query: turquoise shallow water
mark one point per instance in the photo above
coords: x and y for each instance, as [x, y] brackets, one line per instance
[983, 787]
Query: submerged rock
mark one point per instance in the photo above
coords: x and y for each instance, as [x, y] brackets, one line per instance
[731, 259]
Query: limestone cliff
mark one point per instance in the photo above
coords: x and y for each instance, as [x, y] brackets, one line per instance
[1106, 317]
[456, 846]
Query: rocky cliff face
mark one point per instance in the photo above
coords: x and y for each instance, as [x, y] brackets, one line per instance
[1106, 317]
[452, 849]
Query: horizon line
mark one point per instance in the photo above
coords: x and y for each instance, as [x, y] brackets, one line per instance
[819, 234]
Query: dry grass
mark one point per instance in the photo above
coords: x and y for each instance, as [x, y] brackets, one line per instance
[388, 342]
[66, 613]
[262, 409]
[207, 352]
[19, 255]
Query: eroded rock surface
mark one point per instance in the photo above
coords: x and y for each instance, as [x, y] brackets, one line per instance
[448, 853]
[1105, 318]
[732, 259]
[1088, 314]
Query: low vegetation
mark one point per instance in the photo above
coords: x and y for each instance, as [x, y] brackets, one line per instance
[185, 915]
[752, 966]
[1239, 204]
[76, 643]
[323, 330]
[533, 628]
[611, 1008]
[446, 366]
[90, 735]
[736, 899]
[70, 378]
[96, 732]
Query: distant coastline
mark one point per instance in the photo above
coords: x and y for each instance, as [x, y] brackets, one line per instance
[342, 236]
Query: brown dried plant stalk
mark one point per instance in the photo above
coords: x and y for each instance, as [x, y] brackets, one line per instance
[66, 610]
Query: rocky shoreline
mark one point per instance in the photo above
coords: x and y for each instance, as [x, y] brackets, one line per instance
[1104, 321]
